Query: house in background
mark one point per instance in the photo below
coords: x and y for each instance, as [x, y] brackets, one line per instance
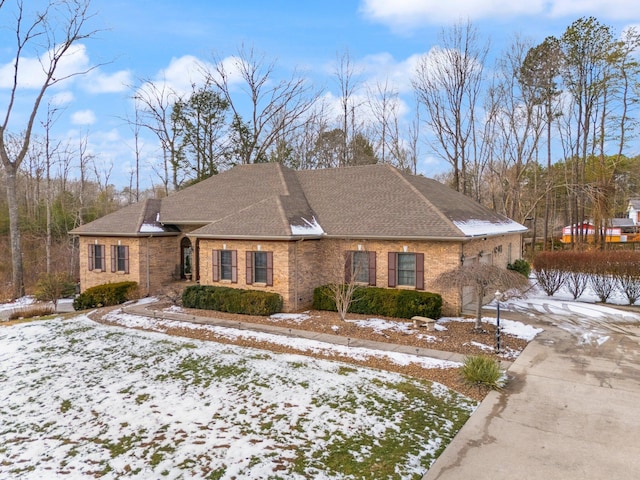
[267, 227]
[619, 230]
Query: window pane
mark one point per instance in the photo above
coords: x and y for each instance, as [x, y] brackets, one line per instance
[260, 267]
[120, 250]
[360, 267]
[225, 265]
[98, 257]
[407, 269]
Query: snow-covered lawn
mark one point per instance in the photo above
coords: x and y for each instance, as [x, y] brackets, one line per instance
[83, 400]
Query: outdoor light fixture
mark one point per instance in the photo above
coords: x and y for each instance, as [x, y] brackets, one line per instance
[498, 296]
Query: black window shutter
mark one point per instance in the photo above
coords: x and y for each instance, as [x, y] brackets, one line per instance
[103, 257]
[215, 265]
[372, 268]
[126, 259]
[348, 265]
[91, 257]
[234, 266]
[249, 267]
[269, 269]
[393, 262]
[420, 271]
[114, 258]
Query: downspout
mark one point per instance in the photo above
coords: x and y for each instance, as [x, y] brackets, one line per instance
[147, 269]
[295, 285]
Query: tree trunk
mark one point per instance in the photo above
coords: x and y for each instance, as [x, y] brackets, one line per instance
[480, 296]
[14, 227]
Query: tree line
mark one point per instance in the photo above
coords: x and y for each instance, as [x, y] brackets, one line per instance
[543, 134]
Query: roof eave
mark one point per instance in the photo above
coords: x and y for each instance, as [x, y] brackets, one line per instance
[256, 237]
[122, 234]
[461, 238]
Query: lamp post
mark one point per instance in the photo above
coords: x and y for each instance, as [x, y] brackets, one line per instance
[498, 296]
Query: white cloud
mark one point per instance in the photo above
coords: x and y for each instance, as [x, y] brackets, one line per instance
[412, 13]
[402, 14]
[83, 117]
[31, 72]
[605, 9]
[182, 73]
[62, 98]
[98, 82]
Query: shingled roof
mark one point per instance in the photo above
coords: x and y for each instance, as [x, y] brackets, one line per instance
[139, 219]
[273, 201]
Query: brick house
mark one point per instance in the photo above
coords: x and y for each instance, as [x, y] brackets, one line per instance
[267, 227]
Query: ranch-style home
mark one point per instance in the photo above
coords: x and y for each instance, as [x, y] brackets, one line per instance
[267, 227]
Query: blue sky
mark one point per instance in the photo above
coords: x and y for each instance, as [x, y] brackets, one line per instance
[154, 39]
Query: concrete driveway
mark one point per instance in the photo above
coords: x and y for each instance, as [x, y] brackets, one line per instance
[571, 409]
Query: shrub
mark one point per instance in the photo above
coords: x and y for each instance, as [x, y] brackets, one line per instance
[482, 371]
[387, 302]
[520, 266]
[231, 300]
[53, 286]
[106, 295]
[549, 271]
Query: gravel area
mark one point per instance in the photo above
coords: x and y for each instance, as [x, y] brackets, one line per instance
[449, 335]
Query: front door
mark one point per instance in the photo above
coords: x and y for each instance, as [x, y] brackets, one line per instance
[186, 259]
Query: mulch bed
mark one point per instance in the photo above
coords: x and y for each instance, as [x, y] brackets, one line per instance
[457, 337]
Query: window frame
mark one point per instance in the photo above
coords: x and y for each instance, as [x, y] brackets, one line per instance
[251, 268]
[120, 253]
[394, 270]
[406, 270]
[226, 265]
[216, 269]
[97, 254]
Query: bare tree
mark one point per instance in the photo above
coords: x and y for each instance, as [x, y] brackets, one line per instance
[587, 48]
[154, 105]
[540, 73]
[346, 76]
[391, 148]
[448, 82]
[51, 151]
[485, 279]
[274, 109]
[518, 126]
[344, 270]
[51, 34]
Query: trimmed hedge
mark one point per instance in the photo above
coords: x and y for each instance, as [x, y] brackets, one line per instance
[231, 300]
[106, 295]
[388, 302]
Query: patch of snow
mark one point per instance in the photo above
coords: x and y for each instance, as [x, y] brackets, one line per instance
[150, 228]
[379, 325]
[482, 346]
[517, 329]
[484, 227]
[309, 228]
[292, 317]
[18, 303]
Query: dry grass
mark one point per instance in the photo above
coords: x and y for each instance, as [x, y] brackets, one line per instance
[31, 311]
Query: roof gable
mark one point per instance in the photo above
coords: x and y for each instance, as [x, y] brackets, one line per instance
[137, 219]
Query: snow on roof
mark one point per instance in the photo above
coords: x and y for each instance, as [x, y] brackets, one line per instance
[310, 228]
[486, 227]
[149, 228]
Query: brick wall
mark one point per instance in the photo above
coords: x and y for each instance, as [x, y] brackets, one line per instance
[163, 254]
[298, 266]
